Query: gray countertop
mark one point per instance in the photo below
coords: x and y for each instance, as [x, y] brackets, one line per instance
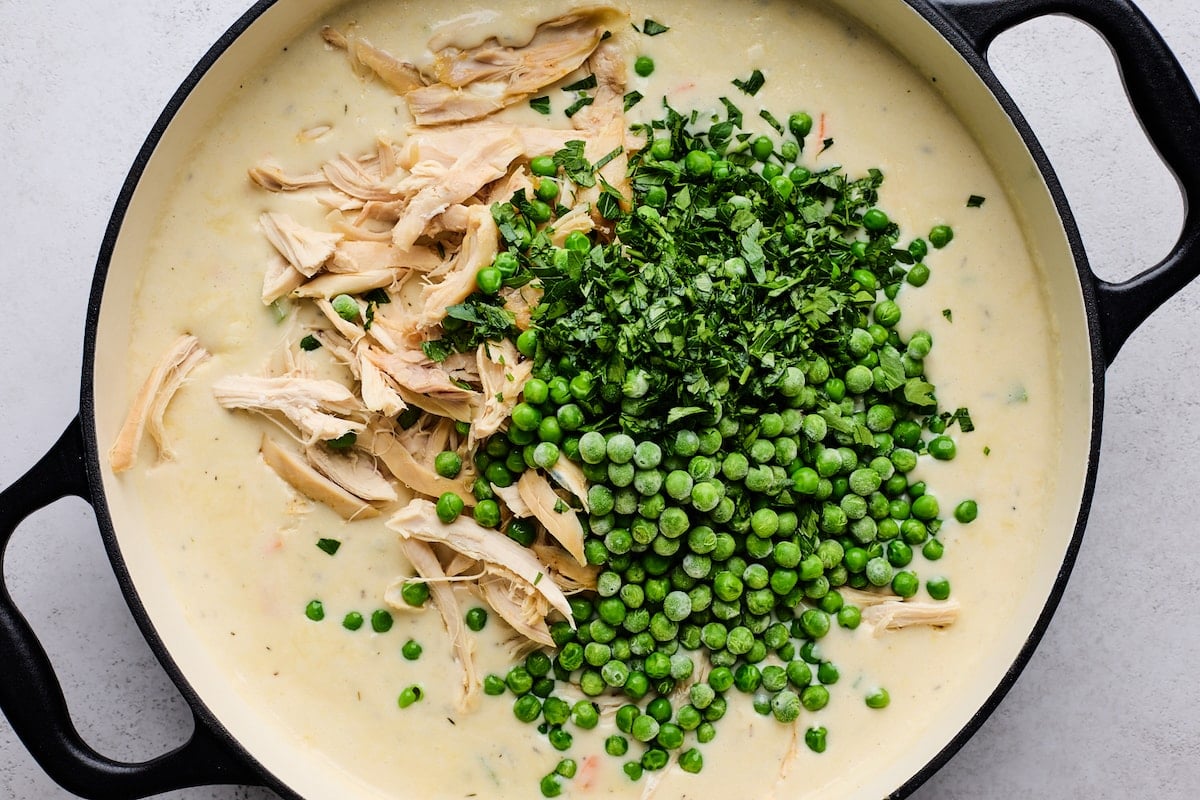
[1107, 708]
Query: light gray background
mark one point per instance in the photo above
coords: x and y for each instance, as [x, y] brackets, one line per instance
[1107, 707]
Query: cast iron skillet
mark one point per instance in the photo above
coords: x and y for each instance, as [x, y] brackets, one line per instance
[30, 694]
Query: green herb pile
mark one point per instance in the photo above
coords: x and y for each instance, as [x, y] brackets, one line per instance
[728, 372]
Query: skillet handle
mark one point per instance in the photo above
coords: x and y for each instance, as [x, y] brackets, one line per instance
[1166, 105]
[30, 694]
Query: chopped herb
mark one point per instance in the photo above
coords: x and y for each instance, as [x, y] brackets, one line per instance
[948, 314]
[578, 105]
[573, 162]
[963, 417]
[975, 201]
[652, 28]
[280, 309]
[770, 118]
[584, 83]
[310, 343]
[732, 113]
[616, 151]
[752, 84]
[438, 349]
[343, 442]
[540, 104]
[987, 451]
[330, 546]
[378, 297]
[632, 99]
[825, 145]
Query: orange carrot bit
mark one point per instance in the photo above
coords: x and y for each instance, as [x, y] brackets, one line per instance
[587, 772]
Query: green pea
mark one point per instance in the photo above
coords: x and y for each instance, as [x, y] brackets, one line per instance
[942, 448]
[410, 695]
[411, 650]
[449, 506]
[966, 511]
[352, 621]
[346, 307]
[698, 163]
[875, 220]
[879, 698]
[476, 618]
[489, 280]
[800, 124]
[381, 620]
[762, 148]
[941, 235]
[644, 66]
[543, 166]
[938, 588]
[487, 513]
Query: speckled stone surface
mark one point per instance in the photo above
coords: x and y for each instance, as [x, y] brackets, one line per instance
[1108, 706]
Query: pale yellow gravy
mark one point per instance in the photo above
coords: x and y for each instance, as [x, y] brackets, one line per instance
[244, 568]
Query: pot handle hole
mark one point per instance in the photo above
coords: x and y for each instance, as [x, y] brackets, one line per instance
[31, 696]
[1166, 105]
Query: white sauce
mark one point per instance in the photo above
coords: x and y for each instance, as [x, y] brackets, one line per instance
[245, 568]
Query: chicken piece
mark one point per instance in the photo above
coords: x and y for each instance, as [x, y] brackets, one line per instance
[479, 81]
[485, 160]
[480, 244]
[400, 76]
[577, 219]
[567, 474]
[150, 404]
[304, 248]
[316, 407]
[567, 572]
[426, 563]
[863, 599]
[559, 519]
[355, 257]
[604, 119]
[520, 302]
[503, 374]
[414, 371]
[363, 181]
[442, 146]
[406, 469]
[352, 472]
[331, 284]
[524, 611]
[280, 279]
[348, 330]
[511, 496]
[377, 394]
[271, 177]
[312, 484]
[895, 614]
[418, 520]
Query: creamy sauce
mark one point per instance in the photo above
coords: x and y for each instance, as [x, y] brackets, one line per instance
[244, 565]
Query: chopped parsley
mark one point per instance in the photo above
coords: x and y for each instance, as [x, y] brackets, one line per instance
[632, 99]
[652, 28]
[752, 84]
[580, 85]
[310, 343]
[975, 201]
[329, 546]
[540, 104]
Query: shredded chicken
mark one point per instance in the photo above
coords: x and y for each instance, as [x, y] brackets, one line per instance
[150, 404]
[305, 249]
[271, 177]
[353, 472]
[503, 375]
[331, 284]
[479, 81]
[895, 614]
[406, 469]
[318, 408]
[425, 562]
[312, 484]
[486, 159]
[418, 520]
[401, 76]
[522, 609]
[559, 519]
